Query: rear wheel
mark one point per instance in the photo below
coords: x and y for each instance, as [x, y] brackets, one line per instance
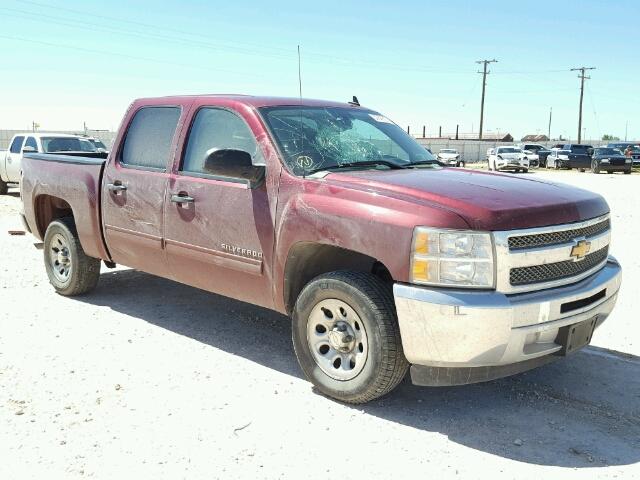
[70, 270]
[4, 188]
[346, 336]
[525, 170]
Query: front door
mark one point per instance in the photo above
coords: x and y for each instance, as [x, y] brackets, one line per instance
[219, 232]
[13, 159]
[133, 190]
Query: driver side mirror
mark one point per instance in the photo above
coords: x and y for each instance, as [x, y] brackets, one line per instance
[28, 149]
[235, 165]
[590, 152]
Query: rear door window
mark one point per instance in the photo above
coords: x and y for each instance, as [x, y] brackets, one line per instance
[16, 145]
[149, 137]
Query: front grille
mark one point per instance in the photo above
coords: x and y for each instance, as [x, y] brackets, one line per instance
[556, 271]
[556, 238]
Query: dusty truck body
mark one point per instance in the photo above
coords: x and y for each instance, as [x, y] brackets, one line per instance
[330, 213]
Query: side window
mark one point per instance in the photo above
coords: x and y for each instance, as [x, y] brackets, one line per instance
[149, 137]
[31, 142]
[16, 145]
[217, 129]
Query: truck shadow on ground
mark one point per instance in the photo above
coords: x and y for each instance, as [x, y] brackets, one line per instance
[581, 412]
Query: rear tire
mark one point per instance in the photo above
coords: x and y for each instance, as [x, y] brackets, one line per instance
[346, 336]
[4, 188]
[525, 170]
[70, 270]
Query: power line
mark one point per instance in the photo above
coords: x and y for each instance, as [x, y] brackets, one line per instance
[582, 78]
[484, 72]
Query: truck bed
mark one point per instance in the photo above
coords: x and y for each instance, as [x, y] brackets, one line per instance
[54, 183]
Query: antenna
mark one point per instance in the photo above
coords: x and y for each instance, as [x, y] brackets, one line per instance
[299, 75]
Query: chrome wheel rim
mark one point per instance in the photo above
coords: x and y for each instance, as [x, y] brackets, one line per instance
[60, 258]
[337, 339]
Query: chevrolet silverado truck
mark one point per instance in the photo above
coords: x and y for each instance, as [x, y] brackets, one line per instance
[330, 213]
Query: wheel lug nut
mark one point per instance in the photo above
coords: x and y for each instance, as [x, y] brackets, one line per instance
[347, 339]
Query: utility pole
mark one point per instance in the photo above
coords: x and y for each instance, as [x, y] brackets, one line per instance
[550, 113]
[626, 129]
[582, 78]
[484, 73]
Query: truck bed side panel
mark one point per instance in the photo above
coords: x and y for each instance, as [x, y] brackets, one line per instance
[76, 180]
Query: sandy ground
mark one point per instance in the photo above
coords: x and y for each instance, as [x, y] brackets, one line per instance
[146, 378]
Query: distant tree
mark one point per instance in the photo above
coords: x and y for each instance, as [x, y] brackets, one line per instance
[610, 137]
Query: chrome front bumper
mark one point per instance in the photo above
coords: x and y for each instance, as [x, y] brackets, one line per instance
[465, 329]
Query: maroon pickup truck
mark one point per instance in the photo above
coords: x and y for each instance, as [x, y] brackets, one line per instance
[330, 213]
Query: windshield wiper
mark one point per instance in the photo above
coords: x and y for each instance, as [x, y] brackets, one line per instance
[366, 163]
[426, 162]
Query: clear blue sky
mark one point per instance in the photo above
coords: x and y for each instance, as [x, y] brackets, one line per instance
[74, 61]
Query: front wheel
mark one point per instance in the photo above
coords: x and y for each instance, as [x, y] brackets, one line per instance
[346, 336]
[627, 172]
[595, 167]
[70, 270]
[4, 188]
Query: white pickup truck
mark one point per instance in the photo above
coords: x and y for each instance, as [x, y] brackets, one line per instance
[59, 143]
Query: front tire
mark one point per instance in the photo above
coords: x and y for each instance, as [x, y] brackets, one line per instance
[627, 172]
[595, 167]
[4, 188]
[346, 336]
[70, 270]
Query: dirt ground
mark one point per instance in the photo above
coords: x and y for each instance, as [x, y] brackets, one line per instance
[146, 378]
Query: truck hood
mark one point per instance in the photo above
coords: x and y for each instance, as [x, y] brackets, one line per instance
[487, 201]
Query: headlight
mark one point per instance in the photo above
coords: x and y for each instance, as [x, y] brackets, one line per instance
[452, 258]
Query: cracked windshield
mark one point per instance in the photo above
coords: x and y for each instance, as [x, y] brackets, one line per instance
[320, 138]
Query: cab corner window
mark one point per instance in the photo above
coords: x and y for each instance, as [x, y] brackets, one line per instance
[149, 137]
[219, 138]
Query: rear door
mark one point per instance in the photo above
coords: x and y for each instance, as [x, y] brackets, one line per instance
[219, 232]
[13, 159]
[134, 185]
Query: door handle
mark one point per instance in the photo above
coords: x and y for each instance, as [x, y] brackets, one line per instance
[180, 199]
[116, 187]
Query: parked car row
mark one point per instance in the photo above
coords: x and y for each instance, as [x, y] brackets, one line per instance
[586, 157]
[58, 143]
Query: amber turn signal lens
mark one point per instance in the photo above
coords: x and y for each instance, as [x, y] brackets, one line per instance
[421, 270]
[421, 245]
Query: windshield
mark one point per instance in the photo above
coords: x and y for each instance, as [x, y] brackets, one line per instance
[509, 150]
[66, 144]
[98, 143]
[607, 151]
[315, 138]
[448, 150]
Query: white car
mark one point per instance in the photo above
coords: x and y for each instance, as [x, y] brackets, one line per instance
[508, 158]
[10, 163]
[533, 157]
[451, 157]
[558, 158]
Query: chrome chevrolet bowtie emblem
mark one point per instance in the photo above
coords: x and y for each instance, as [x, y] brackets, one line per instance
[580, 249]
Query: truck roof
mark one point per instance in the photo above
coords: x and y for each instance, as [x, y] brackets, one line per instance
[250, 100]
[48, 134]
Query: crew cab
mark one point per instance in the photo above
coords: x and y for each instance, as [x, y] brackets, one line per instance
[577, 156]
[508, 158]
[330, 213]
[59, 143]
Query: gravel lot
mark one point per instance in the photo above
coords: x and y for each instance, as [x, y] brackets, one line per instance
[146, 378]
